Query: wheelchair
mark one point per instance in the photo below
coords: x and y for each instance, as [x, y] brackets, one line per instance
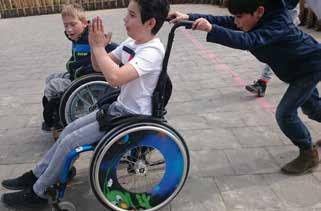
[142, 163]
[82, 96]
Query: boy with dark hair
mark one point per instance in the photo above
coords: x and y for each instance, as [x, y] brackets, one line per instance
[76, 30]
[265, 28]
[142, 57]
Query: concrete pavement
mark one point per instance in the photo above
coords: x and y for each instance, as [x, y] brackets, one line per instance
[236, 147]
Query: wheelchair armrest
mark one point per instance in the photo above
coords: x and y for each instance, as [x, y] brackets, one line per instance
[125, 119]
[115, 121]
[108, 99]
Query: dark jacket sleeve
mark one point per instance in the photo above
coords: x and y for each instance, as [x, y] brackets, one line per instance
[244, 40]
[224, 21]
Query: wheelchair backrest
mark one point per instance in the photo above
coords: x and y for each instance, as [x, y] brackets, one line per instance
[161, 95]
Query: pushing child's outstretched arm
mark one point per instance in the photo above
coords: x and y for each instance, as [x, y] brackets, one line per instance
[223, 30]
[224, 21]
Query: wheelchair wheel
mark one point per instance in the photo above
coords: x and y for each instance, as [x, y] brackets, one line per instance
[139, 166]
[65, 206]
[80, 98]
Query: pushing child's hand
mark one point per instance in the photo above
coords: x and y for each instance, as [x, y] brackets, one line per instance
[97, 36]
[176, 17]
[202, 24]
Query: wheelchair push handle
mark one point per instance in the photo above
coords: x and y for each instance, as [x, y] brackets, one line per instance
[186, 23]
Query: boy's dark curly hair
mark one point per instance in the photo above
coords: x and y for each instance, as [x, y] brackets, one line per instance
[236, 7]
[157, 9]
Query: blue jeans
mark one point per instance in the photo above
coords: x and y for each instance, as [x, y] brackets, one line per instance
[84, 130]
[300, 93]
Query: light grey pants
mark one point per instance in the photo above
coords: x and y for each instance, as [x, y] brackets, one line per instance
[84, 130]
[56, 84]
[266, 73]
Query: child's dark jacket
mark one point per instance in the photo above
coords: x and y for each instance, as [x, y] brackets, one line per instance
[80, 62]
[275, 40]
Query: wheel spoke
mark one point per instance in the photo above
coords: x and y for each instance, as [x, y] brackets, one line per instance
[156, 163]
[92, 98]
[83, 100]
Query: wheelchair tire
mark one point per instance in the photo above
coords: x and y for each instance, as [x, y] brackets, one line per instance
[65, 206]
[79, 99]
[148, 181]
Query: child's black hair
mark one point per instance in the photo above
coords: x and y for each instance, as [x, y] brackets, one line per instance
[237, 7]
[157, 9]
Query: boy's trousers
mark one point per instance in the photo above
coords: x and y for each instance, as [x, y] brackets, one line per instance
[84, 130]
[56, 84]
[300, 93]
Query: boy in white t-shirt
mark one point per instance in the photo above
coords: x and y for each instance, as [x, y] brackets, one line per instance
[142, 56]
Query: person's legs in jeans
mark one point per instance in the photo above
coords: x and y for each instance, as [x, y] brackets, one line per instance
[85, 135]
[299, 94]
[42, 165]
[82, 131]
[312, 107]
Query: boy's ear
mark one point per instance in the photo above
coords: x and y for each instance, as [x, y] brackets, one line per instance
[260, 11]
[151, 23]
[85, 21]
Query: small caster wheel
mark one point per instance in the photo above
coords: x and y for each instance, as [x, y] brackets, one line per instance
[65, 206]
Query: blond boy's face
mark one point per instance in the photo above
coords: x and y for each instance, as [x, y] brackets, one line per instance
[74, 27]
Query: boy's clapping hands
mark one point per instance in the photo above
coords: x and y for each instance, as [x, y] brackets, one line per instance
[97, 36]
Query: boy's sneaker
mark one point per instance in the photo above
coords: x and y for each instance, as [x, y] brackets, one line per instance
[45, 127]
[23, 199]
[27, 180]
[258, 87]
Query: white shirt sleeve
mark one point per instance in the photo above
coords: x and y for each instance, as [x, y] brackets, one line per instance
[117, 52]
[147, 60]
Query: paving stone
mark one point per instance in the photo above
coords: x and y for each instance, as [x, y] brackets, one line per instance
[259, 136]
[213, 138]
[251, 161]
[286, 188]
[199, 194]
[202, 164]
[247, 192]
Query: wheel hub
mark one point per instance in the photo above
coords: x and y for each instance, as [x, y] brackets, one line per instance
[140, 167]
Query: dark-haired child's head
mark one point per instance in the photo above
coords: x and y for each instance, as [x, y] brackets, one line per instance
[157, 9]
[145, 16]
[247, 12]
